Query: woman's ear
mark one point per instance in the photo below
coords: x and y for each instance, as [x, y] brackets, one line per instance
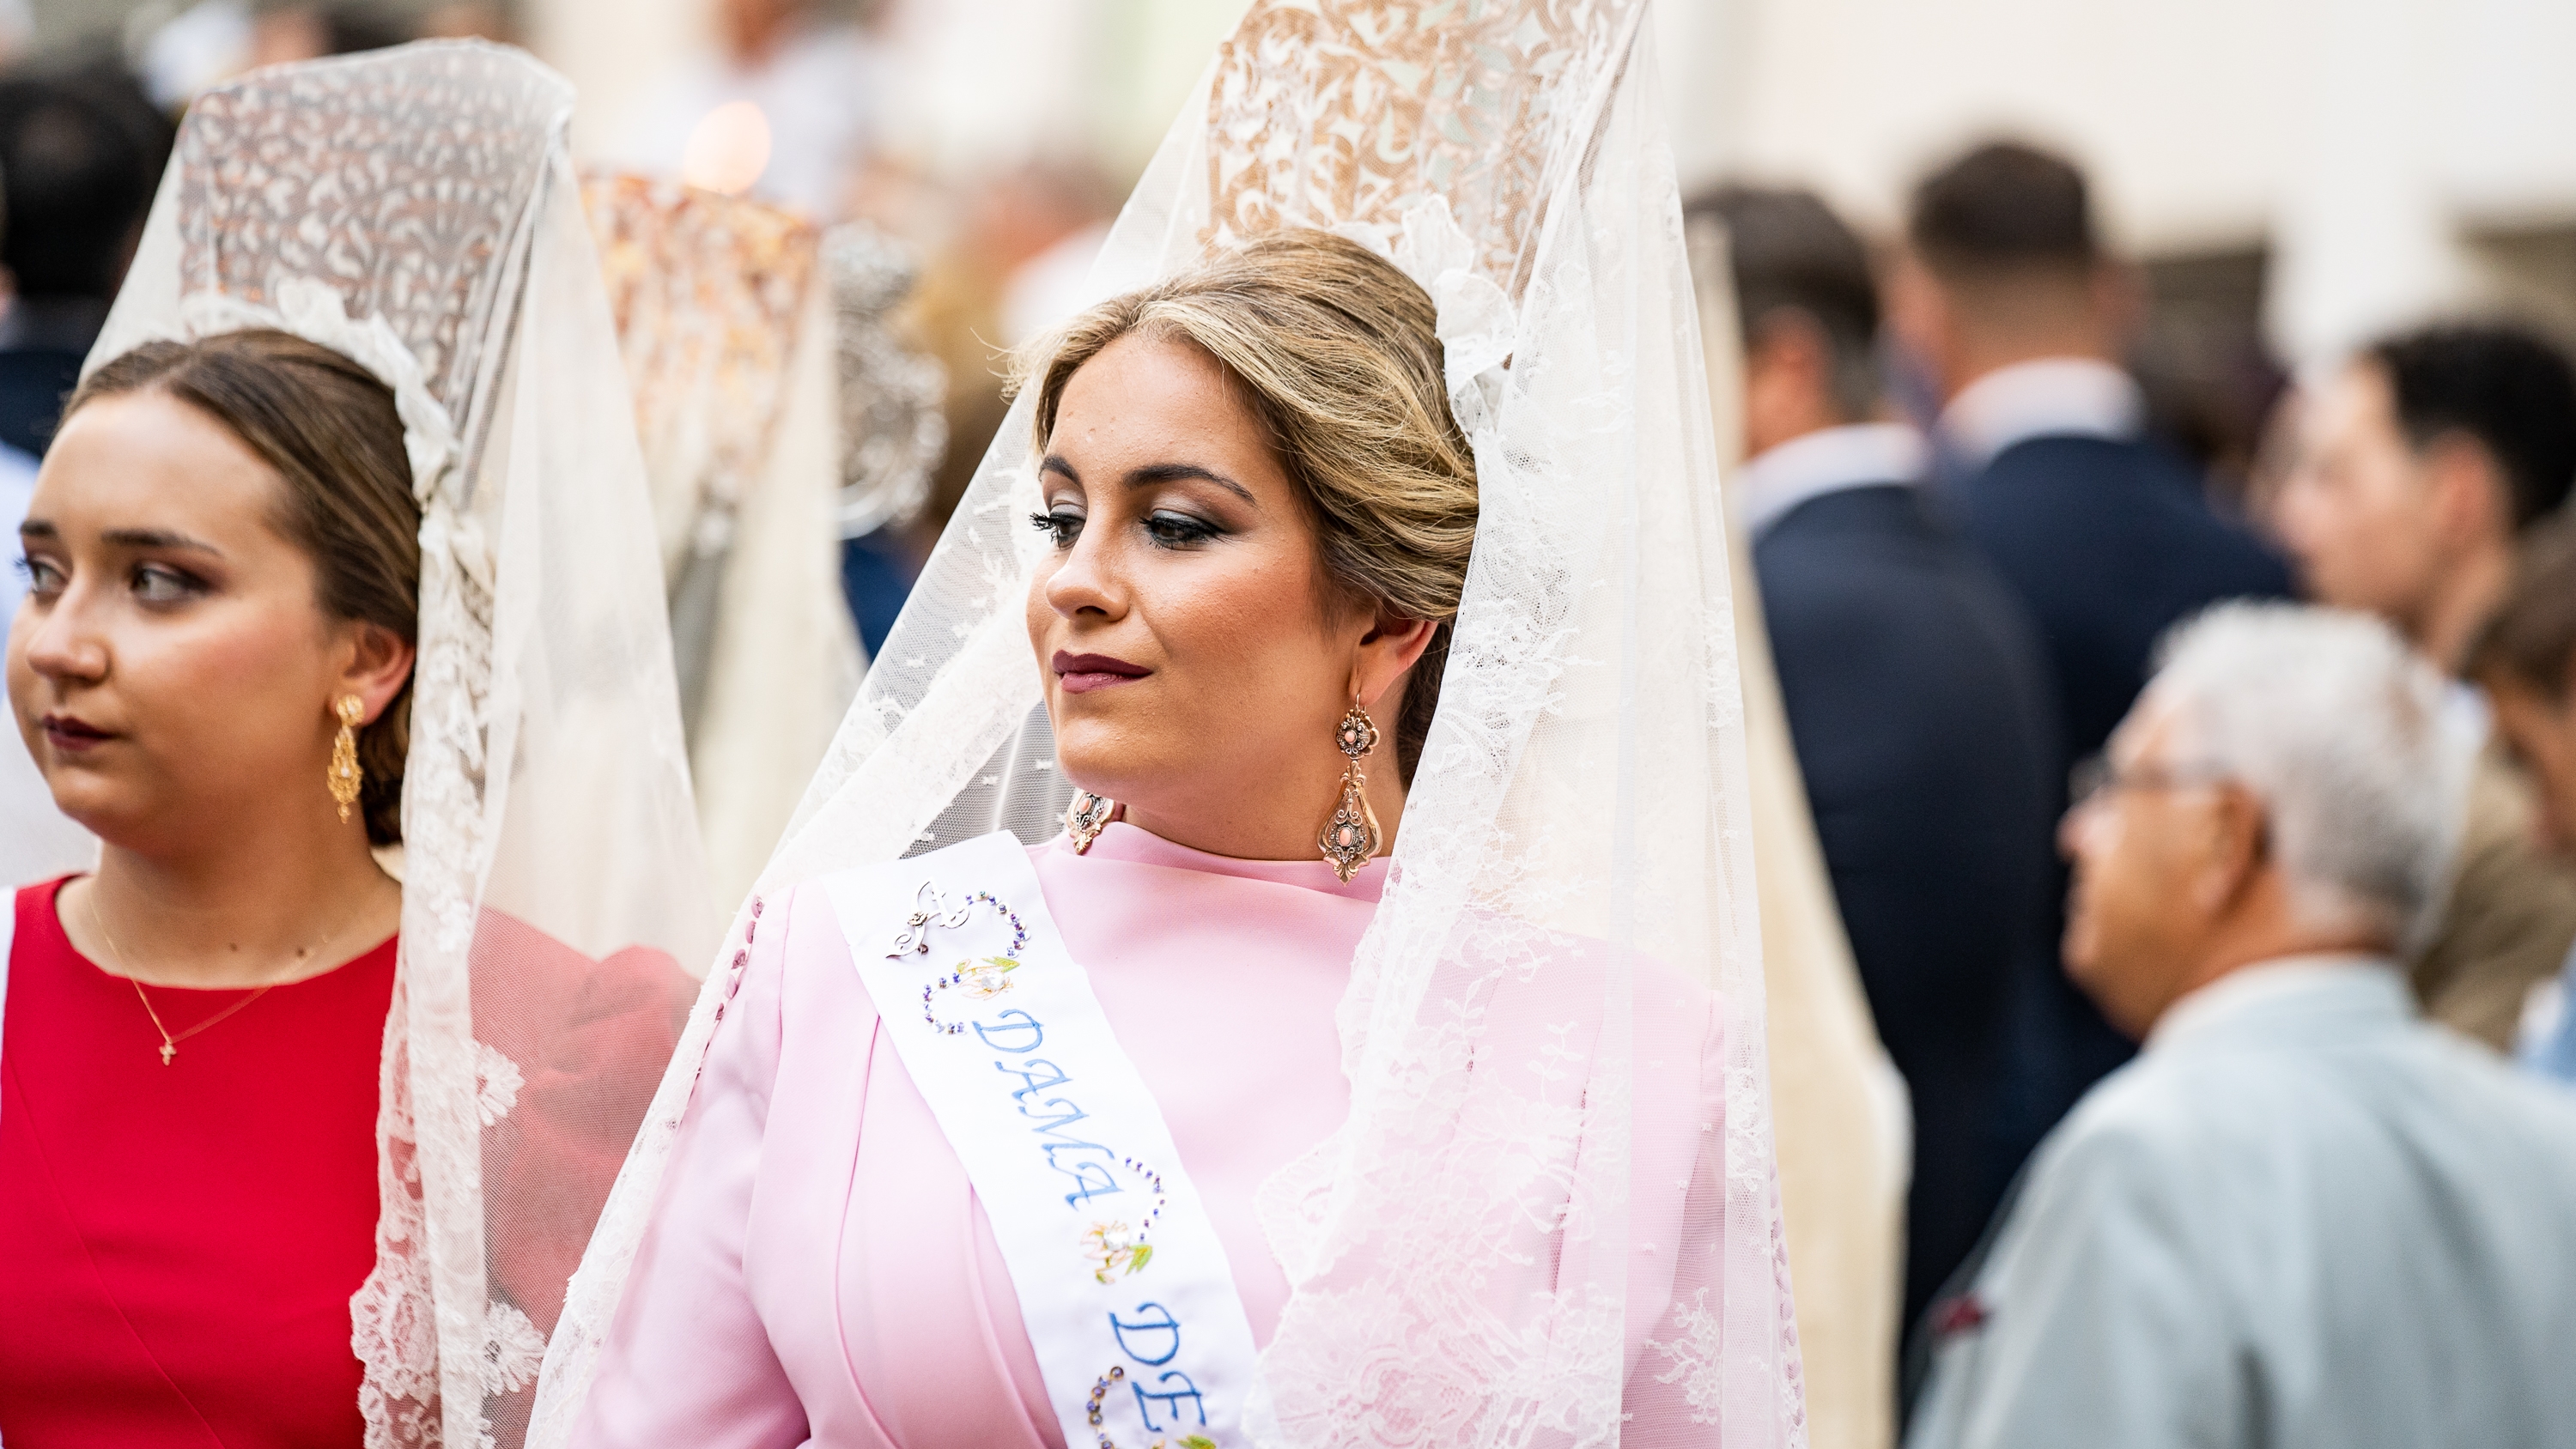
[1389, 648]
[378, 663]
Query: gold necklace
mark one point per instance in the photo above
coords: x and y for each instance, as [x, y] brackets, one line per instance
[169, 1043]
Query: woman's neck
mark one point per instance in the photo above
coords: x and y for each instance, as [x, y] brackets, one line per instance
[1275, 825]
[251, 912]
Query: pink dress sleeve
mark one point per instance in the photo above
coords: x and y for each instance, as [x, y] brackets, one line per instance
[688, 1360]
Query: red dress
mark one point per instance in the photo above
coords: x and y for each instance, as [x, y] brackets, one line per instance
[178, 1244]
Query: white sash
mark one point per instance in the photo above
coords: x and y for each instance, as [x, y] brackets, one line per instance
[1122, 1281]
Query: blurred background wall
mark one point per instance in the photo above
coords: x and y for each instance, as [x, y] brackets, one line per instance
[2313, 169]
[2292, 175]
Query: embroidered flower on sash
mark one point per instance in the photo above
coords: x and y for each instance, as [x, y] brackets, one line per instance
[983, 980]
[1115, 1251]
[987, 978]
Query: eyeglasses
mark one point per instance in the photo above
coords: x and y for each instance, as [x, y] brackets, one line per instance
[2096, 777]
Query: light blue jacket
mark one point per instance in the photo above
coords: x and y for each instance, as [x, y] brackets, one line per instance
[2301, 1219]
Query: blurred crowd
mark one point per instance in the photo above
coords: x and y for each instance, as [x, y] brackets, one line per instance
[2198, 812]
[2221, 938]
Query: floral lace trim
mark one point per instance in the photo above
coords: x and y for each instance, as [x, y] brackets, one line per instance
[383, 206]
[1351, 110]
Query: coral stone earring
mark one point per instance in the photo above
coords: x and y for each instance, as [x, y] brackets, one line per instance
[345, 775]
[1351, 835]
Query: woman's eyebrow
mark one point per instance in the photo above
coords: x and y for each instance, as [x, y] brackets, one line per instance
[158, 538]
[43, 528]
[1055, 463]
[1153, 473]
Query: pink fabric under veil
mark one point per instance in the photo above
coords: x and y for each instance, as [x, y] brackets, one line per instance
[818, 1269]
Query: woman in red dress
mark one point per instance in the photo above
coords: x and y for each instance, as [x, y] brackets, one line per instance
[344, 636]
[223, 564]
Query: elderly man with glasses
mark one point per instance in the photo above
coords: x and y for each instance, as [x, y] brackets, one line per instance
[2302, 1216]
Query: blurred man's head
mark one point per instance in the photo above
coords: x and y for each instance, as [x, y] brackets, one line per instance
[2526, 660]
[78, 174]
[2002, 264]
[2280, 789]
[2422, 459]
[282, 34]
[1808, 306]
[754, 29]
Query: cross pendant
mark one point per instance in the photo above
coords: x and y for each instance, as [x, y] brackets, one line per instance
[168, 1050]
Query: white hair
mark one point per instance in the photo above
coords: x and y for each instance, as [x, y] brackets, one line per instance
[2342, 732]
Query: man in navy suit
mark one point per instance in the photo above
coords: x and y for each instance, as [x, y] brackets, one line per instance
[2006, 302]
[1917, 703]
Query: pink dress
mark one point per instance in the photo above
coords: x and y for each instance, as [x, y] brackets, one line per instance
[819, 1272]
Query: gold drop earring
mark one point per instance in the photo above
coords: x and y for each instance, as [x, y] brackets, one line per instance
[345, 775]
[1087, 816]
[1351, 834]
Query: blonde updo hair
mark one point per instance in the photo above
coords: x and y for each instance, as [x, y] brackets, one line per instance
[1335, 352]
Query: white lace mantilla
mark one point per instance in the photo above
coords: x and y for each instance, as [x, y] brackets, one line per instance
[397, 1338]
[413, 210]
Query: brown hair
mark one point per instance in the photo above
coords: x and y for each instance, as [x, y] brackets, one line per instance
[330, 430]
[2004, 209]
[2499, 384]
[2531, 640]
[1792, 257]
[1335, 351]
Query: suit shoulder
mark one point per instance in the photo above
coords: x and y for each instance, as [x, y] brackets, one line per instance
[2063, 490]
[1871, 517]
[1913, 571]
[1873, 540]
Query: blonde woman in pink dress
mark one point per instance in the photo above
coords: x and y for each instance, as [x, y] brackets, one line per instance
[1372, 1053]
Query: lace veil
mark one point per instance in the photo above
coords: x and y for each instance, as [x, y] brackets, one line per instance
[724, 313]
[1842, 1119]
[416, 210]
[893, 431]
[1584, 782]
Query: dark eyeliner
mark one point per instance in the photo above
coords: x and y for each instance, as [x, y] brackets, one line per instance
[1178, 530]
[1060, 528]
[180, 585]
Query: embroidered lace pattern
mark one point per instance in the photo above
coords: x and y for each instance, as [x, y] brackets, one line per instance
[401, 196]
[892, 429]
[707, 292]
[409, 209]
[1341, 111]
[397, 192]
